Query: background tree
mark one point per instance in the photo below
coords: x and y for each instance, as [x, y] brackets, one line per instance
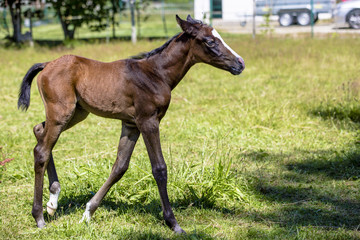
[141, 6]
[74, 14]
[116, 7]
[133, 27]
[16, 16]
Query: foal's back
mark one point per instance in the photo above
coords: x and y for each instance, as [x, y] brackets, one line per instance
[97, 87]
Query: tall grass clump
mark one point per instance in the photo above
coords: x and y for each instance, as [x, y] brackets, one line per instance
[210, 185]
[203, 185]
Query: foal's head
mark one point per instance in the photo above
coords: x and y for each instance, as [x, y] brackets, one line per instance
[210, 48]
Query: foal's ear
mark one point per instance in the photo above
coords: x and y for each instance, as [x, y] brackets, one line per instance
[193, 21]
[187, 26]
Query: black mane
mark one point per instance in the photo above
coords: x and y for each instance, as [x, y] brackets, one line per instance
[155, 51]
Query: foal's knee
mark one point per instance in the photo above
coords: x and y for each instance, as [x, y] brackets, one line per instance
[40, 157]
[119, 171]
[160, 173]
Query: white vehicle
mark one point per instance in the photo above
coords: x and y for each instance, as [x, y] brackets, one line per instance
[347, 13]
[294, 11]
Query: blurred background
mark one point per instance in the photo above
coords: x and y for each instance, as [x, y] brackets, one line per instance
[53, 20]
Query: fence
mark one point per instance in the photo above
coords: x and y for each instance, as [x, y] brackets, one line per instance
[155, 20]
[158, 20]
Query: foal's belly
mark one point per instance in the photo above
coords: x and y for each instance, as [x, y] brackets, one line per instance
[110, 110]
[105, 101]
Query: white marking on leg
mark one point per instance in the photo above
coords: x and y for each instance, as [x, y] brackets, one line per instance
[217, 35]
[52, 204]
[87, 214]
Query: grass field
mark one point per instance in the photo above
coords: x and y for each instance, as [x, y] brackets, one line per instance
[270, 154]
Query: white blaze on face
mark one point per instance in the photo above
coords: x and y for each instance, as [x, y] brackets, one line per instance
[217, 35]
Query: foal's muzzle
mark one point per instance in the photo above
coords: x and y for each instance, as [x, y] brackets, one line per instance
[239, 67]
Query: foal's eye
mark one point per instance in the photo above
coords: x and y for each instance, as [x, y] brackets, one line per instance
[210, 43]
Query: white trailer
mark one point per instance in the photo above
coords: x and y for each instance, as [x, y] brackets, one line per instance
[294, 11]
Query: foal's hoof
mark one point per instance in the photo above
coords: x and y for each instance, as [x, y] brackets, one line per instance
[178, 230]
[50, 211]
[52, 204]
[86, 217]
[41, 224]
[51, 208]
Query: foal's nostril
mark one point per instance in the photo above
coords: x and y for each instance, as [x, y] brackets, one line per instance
[242, 62]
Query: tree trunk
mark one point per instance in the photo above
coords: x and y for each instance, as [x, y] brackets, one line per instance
[68, 34]
[113, 18]
[138, 19]
[133, 27]
[15, 12]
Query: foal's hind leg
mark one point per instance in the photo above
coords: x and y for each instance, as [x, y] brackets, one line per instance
[57, 118]
[54, 185]
[129, 136]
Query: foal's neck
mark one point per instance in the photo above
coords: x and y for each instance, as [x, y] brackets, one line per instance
[175, 60]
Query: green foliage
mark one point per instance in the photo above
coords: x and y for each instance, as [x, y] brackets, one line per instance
[178, 1]
[267, 28]
[73, 14]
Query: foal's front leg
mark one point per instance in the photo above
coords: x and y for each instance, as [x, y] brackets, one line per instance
[150, 132]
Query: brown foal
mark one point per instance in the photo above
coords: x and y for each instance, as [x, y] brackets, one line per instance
[136, 91]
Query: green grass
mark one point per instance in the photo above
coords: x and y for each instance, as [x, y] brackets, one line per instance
[270, 154]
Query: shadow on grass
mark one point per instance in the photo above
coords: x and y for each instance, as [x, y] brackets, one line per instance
[305, 206]
[148, 234]
[73, 203]
[343, 166]
[314, 188]
[134, 235]
[346, 111]
[308, 198]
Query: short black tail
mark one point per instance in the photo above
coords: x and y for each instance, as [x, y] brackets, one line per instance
[24, 93]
